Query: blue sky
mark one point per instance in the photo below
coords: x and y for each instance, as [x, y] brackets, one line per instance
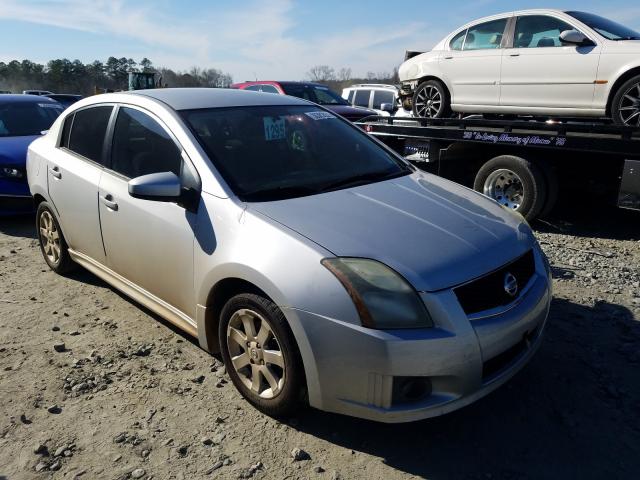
[278, 39]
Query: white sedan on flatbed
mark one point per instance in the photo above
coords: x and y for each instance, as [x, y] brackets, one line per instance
[533, 62]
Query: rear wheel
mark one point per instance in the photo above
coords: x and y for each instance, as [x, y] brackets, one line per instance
[515, 183]
[261, 355]
[431, 100]
[625, 108]
[52, 243]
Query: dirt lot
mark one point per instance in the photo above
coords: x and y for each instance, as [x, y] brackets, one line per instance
[130, 397]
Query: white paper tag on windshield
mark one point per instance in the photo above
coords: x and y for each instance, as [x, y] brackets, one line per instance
[273, 128]
[50, 105]
[319, 115]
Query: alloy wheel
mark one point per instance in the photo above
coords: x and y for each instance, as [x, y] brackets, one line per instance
[255, 353]
[505, 187]
[428, 102]
[50, 237]
[630, 106]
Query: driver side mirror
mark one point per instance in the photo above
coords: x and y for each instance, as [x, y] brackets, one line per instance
[161, 187]
[574, 37]
[387, 107]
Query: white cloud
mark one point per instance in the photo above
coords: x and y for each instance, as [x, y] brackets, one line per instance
[259, 35]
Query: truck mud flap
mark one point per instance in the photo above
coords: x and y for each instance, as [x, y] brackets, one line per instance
[629, 196]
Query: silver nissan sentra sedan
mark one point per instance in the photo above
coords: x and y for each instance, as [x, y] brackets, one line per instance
[321, 266]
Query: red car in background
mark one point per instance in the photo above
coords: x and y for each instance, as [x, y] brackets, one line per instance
[314, 92]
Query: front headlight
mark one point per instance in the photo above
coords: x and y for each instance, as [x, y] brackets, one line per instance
[10, 172]
[381, 296]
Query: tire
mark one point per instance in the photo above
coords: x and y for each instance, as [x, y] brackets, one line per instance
[283, 393]
[427, 94]
[53, 246]
[515, 183]
[625, 107]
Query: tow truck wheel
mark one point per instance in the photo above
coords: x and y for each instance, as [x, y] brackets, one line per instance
[515, 183]
[431, 100]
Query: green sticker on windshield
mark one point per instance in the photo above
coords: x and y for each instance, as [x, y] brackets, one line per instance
[273, 128]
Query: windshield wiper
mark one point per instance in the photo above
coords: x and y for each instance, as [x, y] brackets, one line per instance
[363, 179]
[278, 193]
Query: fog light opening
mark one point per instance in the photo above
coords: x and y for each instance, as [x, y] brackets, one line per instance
[410, 389]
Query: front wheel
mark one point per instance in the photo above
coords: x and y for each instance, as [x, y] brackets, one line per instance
[515, 183]
[431, 100]
[625, 108]
[261, 355]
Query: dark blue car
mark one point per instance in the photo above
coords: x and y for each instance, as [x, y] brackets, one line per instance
[23, 118]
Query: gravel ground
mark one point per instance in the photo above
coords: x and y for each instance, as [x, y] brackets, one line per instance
[93, 386]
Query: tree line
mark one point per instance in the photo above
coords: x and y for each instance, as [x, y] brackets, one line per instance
[342, 78]
[67, 76]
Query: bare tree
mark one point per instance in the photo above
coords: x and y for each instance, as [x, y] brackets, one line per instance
[321, 73]
[344, 74]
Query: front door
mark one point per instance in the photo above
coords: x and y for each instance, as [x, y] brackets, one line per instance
[74, 172]
[149, 243]
[472, 65]
[540, 71]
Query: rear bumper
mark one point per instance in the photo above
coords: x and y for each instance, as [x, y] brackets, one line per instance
[352, 370]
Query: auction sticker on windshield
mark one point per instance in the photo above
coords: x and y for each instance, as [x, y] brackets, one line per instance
[274, 128]
[319, 115]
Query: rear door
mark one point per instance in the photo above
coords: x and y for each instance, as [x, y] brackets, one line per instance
[74, 172]
[472, 65]
[540, 71]
[150, 243]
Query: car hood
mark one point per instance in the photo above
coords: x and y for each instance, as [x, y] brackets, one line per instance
[435, 233]
[351, 113]
[13, 150]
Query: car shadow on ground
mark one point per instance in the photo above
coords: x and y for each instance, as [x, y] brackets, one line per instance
[573, 412]
[19, 226]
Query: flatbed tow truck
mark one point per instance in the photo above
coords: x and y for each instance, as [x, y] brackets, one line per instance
[521, 164]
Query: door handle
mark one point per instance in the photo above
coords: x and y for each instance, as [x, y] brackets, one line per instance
[449, 58]
[108, 201]
[514, 54]
[55, 171]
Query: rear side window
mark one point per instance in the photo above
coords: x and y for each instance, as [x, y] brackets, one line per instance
[88, 131]
[380, 97]
[361, 98]
[485, 36]
[458, 41]
[253, 88]
[141, 146]
[350, 96]
[66, 129]
[269, 89]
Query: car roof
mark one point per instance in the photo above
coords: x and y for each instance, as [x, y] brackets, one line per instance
[24, 98]
[194, 98]
[532, 11]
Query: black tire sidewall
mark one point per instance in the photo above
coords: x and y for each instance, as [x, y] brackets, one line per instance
[533, 182]
[445, 108]
[617, 99]
[290, 399]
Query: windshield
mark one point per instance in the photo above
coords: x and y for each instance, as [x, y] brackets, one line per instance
[315, 93]
[275, 152]
[22, 118]
[605, 27]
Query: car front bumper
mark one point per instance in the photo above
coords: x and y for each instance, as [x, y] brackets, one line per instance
[15, 198]
[352, 369]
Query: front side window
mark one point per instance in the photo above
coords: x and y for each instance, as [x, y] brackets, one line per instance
[382, 96]
[605, 27]
[88, 131]
[458, 41]
[274, 152]
[253, 88]
[362, 98]
[485, 36]
[315, 93]
[141, 146]
[26, 118]
[539, 31]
